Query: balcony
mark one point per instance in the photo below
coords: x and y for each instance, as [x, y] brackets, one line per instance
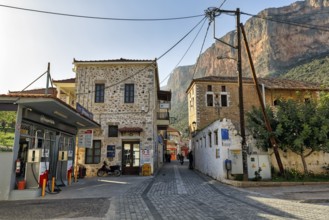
[163, 120]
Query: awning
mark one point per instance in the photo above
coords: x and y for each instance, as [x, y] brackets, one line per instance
[51, 106]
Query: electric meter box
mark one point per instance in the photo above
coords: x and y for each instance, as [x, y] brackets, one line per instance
[34, 156]
[62, 155]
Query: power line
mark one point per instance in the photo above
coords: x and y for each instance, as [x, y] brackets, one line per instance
[153, 63]
[204, 40]
[222, 3]
[185, 51]
[100, 18]
[181, 39]
[309, 26]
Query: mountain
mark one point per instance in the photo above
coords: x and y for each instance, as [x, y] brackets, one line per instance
[280, 40]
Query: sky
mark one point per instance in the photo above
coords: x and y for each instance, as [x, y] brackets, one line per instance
[30, 40]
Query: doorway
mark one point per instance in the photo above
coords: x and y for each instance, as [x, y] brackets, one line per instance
[130, 158]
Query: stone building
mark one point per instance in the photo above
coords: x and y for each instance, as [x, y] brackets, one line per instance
[215, 97]
[213, 107]
[124, 97]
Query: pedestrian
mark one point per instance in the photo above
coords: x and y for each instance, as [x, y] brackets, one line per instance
[181, 158]
[190, 158]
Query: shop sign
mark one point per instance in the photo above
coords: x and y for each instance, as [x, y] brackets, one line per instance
[111, 151]
[146, 156]
[46, 120]
[85, 138]
[84, 111]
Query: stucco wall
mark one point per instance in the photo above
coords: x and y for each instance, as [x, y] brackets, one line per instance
[6, 159]
[291, 160]
[206, 159]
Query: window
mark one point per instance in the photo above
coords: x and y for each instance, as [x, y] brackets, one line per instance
[223, 88]
[307, 100]
[223, 100]
[129, 93]
[216, 137]
[209, 88]
[209, 135]
[99, 93]
[93, 155]
[210, 101]
[113, 131]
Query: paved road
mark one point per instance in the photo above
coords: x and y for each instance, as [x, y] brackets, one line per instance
[175, 193]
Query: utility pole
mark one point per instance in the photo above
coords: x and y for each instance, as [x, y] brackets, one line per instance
[212, 13]
[262, 104]
[241, 106]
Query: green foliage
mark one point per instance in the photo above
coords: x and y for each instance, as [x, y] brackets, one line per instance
[256, 125]
[297, 126]
[315, 70]
[258, 177]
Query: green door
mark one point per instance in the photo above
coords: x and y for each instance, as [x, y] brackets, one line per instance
[130, 158]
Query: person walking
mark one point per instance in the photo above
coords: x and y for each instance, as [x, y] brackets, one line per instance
[190, 158]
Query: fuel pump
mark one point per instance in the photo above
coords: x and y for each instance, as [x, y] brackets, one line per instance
[37, 161]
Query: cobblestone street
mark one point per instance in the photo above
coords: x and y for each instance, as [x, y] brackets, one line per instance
[179, 193]
[174, 193]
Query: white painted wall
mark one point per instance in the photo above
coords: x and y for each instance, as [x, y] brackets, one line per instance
[6, 170]
[205, 158]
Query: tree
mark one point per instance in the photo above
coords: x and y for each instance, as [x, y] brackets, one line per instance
[302, 127]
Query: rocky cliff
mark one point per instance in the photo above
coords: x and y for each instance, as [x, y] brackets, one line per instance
[279, 39]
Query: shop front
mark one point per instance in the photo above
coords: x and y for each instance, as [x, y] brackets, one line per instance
[38, 143]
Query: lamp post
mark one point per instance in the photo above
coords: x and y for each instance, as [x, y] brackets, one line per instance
[194, 127]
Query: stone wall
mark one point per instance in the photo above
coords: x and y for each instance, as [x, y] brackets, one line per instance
[141, 113]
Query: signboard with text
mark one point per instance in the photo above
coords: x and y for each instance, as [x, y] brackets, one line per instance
[85, 138]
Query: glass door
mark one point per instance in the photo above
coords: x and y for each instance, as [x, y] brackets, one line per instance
[130, 158]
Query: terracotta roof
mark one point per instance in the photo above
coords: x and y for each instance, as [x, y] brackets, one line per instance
[170, 129]
[51, 91]
[72, 80]
[131, 129]
[110, 61]
[27, 95]
[269, 83]
[276, 83]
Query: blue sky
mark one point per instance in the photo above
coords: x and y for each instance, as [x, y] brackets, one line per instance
[29, 40]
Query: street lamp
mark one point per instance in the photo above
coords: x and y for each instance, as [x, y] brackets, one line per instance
[194, 126]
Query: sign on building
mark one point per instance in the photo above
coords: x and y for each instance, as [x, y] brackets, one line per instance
[85, 138]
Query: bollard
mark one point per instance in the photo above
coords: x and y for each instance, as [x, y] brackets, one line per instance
[53, 184]
[70, 177]
[43, 188]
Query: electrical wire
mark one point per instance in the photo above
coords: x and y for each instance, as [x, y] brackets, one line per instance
[197, 62]
[152, 63]
[100, 18]
[222, 3]
[185, 51]
[182, 38]
[309, 26]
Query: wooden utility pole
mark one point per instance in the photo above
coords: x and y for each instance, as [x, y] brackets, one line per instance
[241, 106]
[212, 13]
[267, 122]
